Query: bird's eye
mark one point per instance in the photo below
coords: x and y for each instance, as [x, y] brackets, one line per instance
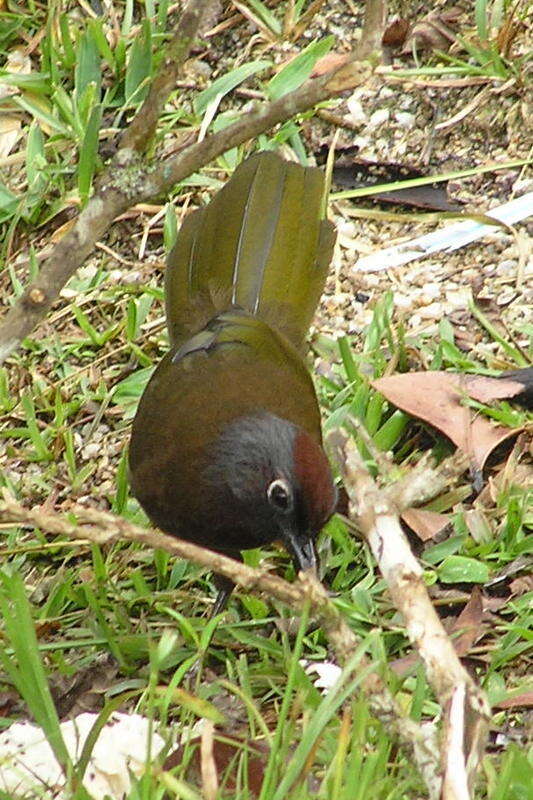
[279, 495]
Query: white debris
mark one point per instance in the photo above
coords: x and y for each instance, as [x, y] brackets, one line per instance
[328, 673]
[405, 119]
[446, 239]
[356, 113]
[27, 763]
[379, 117]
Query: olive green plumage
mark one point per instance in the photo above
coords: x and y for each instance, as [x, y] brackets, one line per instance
[260, 244]
[243, 282]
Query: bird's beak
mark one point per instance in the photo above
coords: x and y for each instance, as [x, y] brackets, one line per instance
[302, 549]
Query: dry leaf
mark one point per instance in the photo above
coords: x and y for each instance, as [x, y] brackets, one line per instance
[432, 32]
[478, 525]
[226, 753]
[469, 624]
[521, 585]
[328, 62]
[350, 171]
[435, 397]
[405, 665]
[9, 133]
[19, 63]
[511, 385]
[426, 524]
[524, 700]
[395, 32]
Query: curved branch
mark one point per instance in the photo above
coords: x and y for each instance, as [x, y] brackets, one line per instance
[375, 509]
[141, 130]
[127, 183]
[104, 528]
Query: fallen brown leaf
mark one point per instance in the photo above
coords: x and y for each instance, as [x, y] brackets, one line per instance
[224, 753]
[514, 384]
[521, 585]
[435, 397]
[329, 62]
[433, 32]
[524, 700]
[469, 624]
[477, 524]
[10, 132]
[426, 524]
[402, 666]
[395, 32]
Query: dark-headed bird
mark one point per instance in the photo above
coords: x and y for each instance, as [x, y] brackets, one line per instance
[226, 447]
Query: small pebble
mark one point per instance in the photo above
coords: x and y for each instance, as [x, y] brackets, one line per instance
[379, 117]
[356, 114]
[402, 301]
[432, 311]
[506, 297]
[90, 451]
[458, 298]
[506, 267]
[346, 227]
[405, 119]
[115, 275]
[430, 292]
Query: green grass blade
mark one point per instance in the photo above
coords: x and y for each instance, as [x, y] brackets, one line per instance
[299, 69]
[139, 68]
[88, 153]
[25, 667]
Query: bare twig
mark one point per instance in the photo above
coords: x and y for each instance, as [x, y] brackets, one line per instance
[376, 510]
[139, 134]
[129, 183]
[373, 26]
[104, 528]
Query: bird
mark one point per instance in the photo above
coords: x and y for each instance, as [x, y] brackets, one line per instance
[226, 446]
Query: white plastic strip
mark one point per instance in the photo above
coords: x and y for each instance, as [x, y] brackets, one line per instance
[447, 239]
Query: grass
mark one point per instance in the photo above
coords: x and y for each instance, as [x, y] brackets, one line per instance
[145, 610]
[67, 399]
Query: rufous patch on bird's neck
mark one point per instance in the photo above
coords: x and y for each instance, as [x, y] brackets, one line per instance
[312, 471]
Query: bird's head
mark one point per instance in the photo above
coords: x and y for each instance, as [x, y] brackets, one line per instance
[277, 480]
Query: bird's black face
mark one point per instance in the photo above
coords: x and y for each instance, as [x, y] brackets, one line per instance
[299, 541]
[277, 485]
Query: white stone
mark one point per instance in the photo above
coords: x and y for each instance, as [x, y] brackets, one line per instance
[430, 292]
[432, 311]
[379, 117]
[402, 301]
[458, 298]
[405, 119]
[90, 451]
[356, 113]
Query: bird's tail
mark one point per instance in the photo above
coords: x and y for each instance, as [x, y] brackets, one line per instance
[261, 244]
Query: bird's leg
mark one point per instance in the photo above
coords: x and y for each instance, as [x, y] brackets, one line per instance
[225, 587]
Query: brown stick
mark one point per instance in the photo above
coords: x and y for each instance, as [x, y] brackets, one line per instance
[131, 183]
[139, 134]
[376, 509]
[373, 26]
[103, 528]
